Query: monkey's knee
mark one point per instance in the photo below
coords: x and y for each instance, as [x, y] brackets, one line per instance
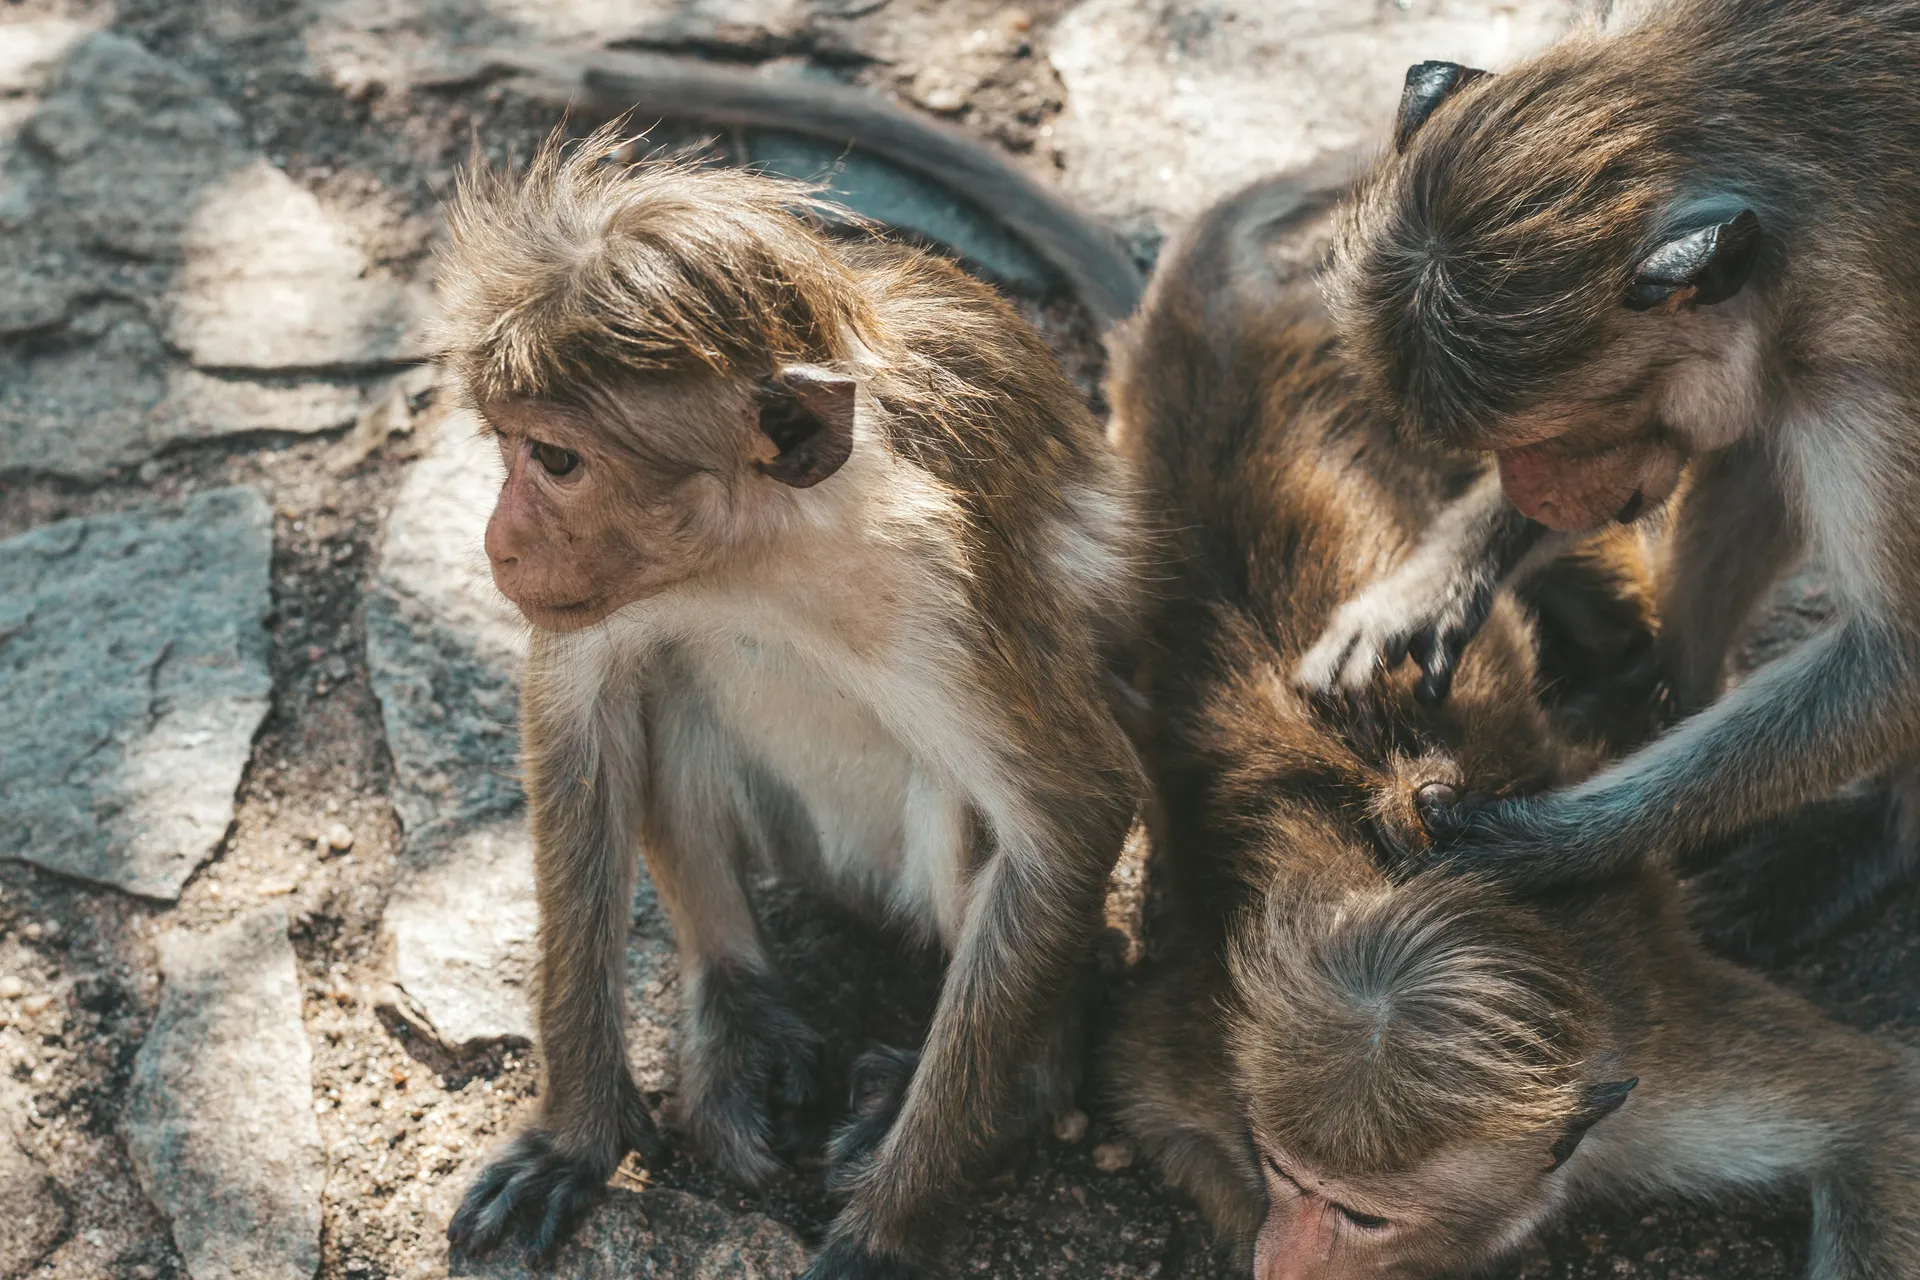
[750, 1074]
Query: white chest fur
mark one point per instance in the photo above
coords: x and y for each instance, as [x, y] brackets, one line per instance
[883, 824]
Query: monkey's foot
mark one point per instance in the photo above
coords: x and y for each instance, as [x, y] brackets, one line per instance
[1796, 881]
[750, 1076]
[876, 1089]
[844, 1259]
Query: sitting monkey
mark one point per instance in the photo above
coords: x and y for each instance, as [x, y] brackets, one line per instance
[1359, 1078]
[824, 557]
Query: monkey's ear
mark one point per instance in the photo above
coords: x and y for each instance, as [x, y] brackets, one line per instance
[1711, 263]
[1428, 85]
[1602, 1101]
[807, 412]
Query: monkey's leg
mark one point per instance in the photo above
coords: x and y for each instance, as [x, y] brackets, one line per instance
[1795, 731]
[1731, 538]
[1029, 922]
[584, 779]
[747, 1061]
[1434, 604]
[1866, 1195]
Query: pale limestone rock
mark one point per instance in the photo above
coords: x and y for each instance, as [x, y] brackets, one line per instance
[272, 281]
[1169, 107]
[219, 1119]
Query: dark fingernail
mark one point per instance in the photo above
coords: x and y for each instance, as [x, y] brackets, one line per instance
[1435, 795]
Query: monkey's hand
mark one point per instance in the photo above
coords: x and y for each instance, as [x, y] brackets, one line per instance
[1527, 844]
[1426, 609]
[546, 1179]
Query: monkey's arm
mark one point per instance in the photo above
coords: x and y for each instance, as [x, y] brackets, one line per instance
[1842, 704]
[1431, 606]
[583, 779]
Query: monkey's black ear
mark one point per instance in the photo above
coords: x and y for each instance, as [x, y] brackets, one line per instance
[1712, 262]
[1428, 85]
[807, 412]
[1602, 1101]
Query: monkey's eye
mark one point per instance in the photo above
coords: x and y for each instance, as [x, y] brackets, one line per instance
[1284, 1176]
[556, 461]
[1366, 1221]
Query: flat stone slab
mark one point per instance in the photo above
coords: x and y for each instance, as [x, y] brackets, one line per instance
[658, 1233]
[219, 1120]
[33, 1218]
[133, 675]
[271, 281]
[1169, 107]
[445, 651]
[137, 222]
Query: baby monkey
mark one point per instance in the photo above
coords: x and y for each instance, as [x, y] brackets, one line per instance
[1357, 1078]
[823, 554]
[1681, 243]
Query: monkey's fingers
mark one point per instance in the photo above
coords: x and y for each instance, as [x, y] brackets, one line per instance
[532, 1183]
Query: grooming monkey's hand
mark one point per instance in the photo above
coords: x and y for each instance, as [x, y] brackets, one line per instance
[542, 1184]
[1528, 843]
[1426, 610]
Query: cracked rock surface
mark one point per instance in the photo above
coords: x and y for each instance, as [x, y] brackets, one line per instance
[136, 674]
[220, 1111]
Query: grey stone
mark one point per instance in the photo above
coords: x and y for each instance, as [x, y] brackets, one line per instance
[134, 140]
[1171, 106]
[660, 1235]
[133, 674]
[33, 1217]
[272, 281]
[219, 1119]
[445, 651]
[140, 222]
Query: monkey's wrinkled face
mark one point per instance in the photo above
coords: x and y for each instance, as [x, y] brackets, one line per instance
[588, 522]
[1455, 1211]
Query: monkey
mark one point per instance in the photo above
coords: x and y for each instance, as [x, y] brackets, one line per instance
[1674, 245]
[644, 88]
[825, 561]
[1357, 1074]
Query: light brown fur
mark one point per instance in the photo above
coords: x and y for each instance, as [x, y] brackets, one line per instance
[1358, 1076]
[828, 577]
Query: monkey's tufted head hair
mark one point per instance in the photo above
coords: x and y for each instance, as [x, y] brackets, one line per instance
[587, 269]
[1408, 1019]
[1476, 270]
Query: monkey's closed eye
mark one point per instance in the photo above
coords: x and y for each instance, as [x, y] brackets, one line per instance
[1366, 1221]
[556, 461]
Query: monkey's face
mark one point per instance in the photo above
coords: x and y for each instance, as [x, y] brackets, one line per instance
[649, 486]
[1457, 1210]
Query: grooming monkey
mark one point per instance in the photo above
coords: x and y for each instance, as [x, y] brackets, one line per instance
[1683, 242]
[1361, 1078]
[824, 557]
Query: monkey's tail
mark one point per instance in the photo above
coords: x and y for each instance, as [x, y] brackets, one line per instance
[1086, 255]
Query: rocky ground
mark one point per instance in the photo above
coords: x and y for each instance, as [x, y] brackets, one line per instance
[264, 891]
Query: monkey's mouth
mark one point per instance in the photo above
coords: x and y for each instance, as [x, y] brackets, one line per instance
[565, 617]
